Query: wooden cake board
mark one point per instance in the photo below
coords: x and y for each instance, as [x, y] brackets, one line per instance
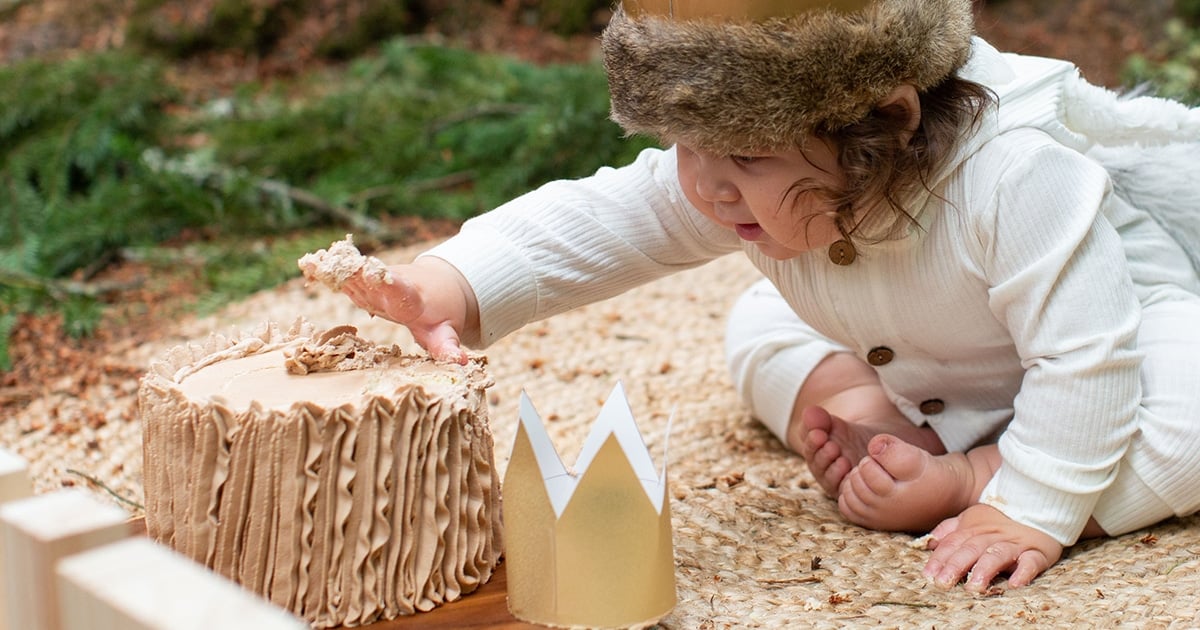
[487, 608]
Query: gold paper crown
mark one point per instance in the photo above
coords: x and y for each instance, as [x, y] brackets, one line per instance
[590, 548]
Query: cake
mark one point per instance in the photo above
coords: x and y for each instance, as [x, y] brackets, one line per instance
[345, 481]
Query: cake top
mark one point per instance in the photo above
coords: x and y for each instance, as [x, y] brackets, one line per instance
[276, 370]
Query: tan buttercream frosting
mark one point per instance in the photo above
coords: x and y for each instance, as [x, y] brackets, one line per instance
[334, 266]
[338, 349]
[349, 494]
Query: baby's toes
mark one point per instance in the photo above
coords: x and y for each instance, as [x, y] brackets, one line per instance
[872, 480]
[822, 458]
[896, 458]
[807, 440]
[829, 467]
[835, 474]
[858, 503]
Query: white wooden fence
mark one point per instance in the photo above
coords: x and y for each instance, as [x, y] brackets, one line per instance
[69, 561]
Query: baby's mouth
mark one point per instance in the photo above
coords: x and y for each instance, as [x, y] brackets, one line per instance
[748, 231]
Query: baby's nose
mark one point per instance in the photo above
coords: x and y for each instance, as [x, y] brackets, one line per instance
[713, 188]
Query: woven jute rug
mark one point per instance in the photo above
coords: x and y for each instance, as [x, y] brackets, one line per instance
[757, 545]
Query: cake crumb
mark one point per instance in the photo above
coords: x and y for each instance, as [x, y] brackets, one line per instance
[921, 542]
[334, 266]
[338, 349]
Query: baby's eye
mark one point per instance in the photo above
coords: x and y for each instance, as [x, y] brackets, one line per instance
[744, 160]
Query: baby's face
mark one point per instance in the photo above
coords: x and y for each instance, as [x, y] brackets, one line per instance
[757, 197]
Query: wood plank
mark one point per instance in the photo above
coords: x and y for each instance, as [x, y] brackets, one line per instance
[35, 533]
[137, 584]
[484, 609]
[14, 477]
[15, 484]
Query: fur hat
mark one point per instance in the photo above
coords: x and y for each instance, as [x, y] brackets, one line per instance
[731, 85]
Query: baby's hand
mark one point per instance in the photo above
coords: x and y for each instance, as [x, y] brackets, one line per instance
[981, 543]
[428, 297]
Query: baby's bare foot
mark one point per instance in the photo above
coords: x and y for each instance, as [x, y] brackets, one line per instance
[902, 487]
[832, 446]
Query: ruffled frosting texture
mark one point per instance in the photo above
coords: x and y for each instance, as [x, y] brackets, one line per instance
[344, 513]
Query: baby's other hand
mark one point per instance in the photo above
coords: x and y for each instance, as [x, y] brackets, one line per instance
[981, 543]
[429, 297]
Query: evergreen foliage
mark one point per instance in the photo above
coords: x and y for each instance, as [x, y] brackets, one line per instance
[1175, 73]
[72, 186]
[235, 266]
[180, 29]
[429, 131]
[93, 166]
[228, 25]
[568, 17]
[70, 139]
[1188, 10]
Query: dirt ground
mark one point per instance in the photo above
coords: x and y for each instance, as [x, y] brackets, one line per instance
[54, 371]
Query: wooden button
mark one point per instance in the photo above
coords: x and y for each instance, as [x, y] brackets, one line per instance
[880, 356]
[933, 406]
[842, 253]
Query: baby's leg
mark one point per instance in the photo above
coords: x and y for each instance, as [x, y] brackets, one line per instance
[1160, 474]
[901, 487]
[781, 367]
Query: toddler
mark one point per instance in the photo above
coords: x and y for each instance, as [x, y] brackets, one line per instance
[972, 319]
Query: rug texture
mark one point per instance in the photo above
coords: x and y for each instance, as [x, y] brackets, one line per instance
[757, 544]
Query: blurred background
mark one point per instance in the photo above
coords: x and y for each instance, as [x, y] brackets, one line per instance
[162, 158]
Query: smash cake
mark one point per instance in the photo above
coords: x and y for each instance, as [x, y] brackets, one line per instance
[342, 480]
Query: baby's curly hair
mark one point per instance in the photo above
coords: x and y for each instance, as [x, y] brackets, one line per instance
[877, 165]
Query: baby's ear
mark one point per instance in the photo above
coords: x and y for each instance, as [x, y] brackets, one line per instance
[905, 103]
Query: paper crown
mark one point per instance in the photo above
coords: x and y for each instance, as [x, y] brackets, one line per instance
[590, 547]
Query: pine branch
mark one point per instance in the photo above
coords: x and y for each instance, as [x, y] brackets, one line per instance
[206, 173]
[445, 182]
[482, 111]
[60, 289]
[359, 222]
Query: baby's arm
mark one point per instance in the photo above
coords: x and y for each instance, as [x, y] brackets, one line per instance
[564, 245]
[1059, 282]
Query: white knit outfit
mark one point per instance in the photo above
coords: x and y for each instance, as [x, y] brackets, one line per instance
[1030, 304]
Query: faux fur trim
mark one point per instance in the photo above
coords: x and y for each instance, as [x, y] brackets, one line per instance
[1105, 117]
[730, 87]
[1163, 180]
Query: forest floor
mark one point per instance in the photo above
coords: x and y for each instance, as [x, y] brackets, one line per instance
[48, 363]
